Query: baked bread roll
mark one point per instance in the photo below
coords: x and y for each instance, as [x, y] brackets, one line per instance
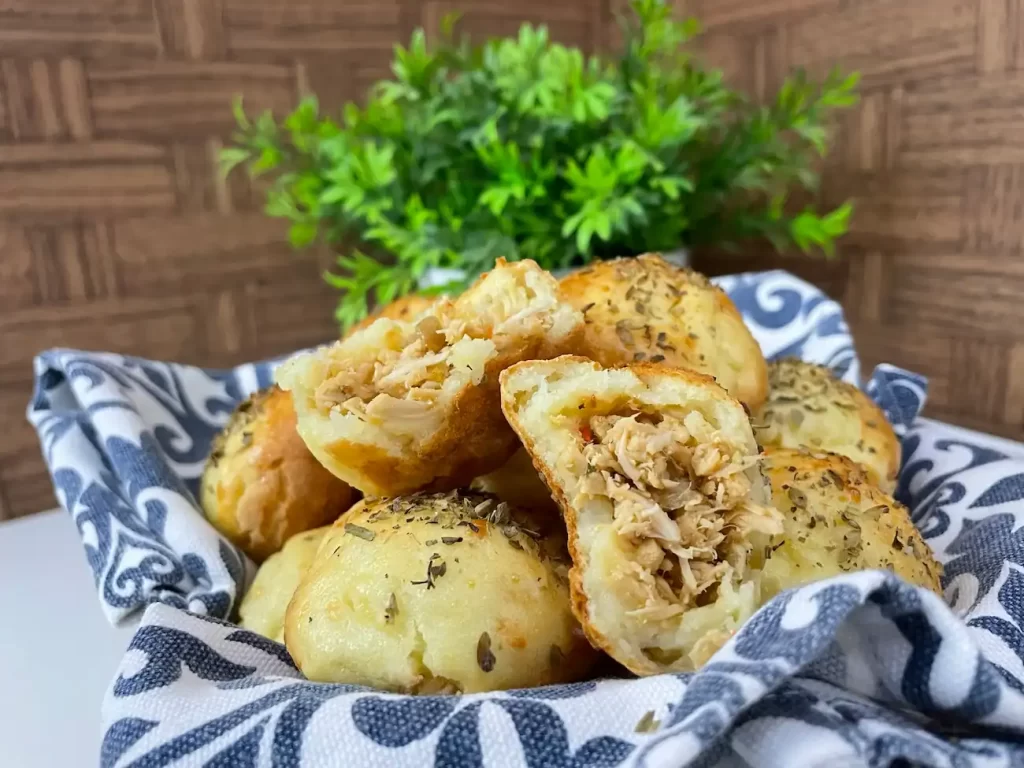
[261, 485]
[437, 593]
[408, 307]
[808, 407]
[645, 309]
[655, 470]
[263, 607]
[837, 521]
[404, 406]
[518, 483]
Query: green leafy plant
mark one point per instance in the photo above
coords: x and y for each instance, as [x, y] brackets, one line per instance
[525, 148]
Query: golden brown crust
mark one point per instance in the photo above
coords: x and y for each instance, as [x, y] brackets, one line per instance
[577, 594]
[645, 309]
[837, 521]
[655, 376]
[808, 407]
[403, 308]
[261, 485]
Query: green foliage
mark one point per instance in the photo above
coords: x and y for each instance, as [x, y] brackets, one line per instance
[525, 148]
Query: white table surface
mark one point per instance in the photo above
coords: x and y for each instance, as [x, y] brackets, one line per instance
[58, 653]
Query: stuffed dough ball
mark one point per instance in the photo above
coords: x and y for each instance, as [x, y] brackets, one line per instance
[264, 605]
[644, 309]
[655, 470]
[808, 407]
[407, 406]
[836, 521]
[437, 593]
[261, 485]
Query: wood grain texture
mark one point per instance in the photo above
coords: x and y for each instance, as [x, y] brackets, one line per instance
[116, 231]
[931, 275]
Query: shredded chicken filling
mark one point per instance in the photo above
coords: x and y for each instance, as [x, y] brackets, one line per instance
[681, 497]
[412, 375]
[406, 382]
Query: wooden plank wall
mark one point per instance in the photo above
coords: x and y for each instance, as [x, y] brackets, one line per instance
[932, 275]
[116, 233]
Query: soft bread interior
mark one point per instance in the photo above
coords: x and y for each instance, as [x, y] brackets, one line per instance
[667, 510]
[391, 383]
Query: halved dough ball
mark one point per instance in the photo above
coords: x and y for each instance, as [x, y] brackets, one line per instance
[837, 521]
[808, 407]
[261, 485]
[517, 482]
[263, 607]
[437, 593]
[645, 309]
[408, 308]
[403, 406]
[656, 472]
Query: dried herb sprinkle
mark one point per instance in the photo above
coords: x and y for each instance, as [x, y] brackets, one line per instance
[391, 610]
[798, 497]
[484, 657]
[647, 723]
[358, 531]
[436, 568]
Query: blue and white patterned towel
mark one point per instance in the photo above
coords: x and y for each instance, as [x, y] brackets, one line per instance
[861, 670]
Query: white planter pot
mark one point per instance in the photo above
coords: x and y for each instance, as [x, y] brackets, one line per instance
[436, 276]
[680, 257]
